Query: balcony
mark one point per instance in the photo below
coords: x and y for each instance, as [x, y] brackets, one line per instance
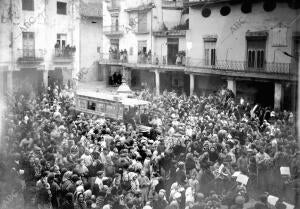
[30, 56]
[143, 61]
[173, 4]
[114, 6]
[241, 68]
[113, 31]
[150, 62]
[64, 55]
[113, 58]
[170, 33]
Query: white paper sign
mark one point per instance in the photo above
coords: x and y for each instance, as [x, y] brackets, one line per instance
[285, 171]
[236, 174]
[288, 206]
[189, 45]
[221, 168]
[272, 200]
[243, 179]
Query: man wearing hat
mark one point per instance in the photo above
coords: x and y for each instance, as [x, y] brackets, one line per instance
[160, 201]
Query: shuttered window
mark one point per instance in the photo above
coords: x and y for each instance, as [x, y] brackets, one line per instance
[256, 53]
[61, 8]
[210, 52]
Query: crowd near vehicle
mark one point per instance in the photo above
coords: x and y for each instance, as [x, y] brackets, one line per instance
[110, 106]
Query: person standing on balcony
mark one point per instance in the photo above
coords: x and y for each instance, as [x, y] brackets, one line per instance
[56, 46]
[149, 56]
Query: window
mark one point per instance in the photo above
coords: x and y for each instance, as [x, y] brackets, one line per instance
[61, 8]
[28, 44]
[142, 22]
[210, 52]
[256, 53]
[91, 105]
[28, 5]
[206, 12]
[224, 11]
[114, 43]
[142, 47]
[114, 23]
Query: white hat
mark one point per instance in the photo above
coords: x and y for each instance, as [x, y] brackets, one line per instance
[106, 207]
[177, 195]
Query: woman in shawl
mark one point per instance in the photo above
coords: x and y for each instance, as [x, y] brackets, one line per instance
[66, 182]
[80, 202]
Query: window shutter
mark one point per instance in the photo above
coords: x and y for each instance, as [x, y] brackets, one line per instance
[206, 56]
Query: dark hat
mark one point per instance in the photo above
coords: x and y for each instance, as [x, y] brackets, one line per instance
[100, 173]
[75, 177]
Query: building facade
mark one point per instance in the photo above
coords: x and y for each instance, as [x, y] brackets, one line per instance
[250, 46]
[142, 39]
[198, 47]
[41, 42]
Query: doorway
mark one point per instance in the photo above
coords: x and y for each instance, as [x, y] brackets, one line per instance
[173, 47]
[55, 77]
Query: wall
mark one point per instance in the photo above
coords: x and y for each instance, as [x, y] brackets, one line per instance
[91, 38]
[231, 44]
[171, 18]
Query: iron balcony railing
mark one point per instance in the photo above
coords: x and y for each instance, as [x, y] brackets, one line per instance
[113, 58]
[30, 55]
[67, 52]
[113, 30]
[143, 59]
[240, 66]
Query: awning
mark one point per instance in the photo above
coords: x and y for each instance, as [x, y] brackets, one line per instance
[141, 8]
[256, 35]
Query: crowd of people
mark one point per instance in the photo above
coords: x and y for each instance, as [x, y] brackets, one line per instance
[65, 159]
[145, 57]
[115, 79]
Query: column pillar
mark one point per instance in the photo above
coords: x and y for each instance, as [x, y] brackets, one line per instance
[128, 77]
[105, 74]
[45, 78]
[10, 82]
[231, 85]
[192, 84]
[278, 95]
[157, 82]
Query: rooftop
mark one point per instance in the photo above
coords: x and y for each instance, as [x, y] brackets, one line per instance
[143, 7]
[206, 2]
